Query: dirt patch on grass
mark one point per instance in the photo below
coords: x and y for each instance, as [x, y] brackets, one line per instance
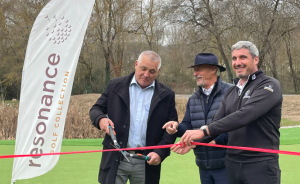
[291, 107]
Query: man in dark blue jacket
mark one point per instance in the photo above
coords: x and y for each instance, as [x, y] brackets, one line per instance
[200, 109]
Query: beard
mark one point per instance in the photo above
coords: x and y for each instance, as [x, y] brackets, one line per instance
[201, 82]
[245, 74]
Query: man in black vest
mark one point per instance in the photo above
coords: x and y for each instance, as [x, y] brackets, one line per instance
[250, 112]
[200, 109]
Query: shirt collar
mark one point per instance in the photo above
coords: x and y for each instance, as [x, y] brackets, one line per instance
[133, 81]
[241, 87]
[209, 90]
[251, 78]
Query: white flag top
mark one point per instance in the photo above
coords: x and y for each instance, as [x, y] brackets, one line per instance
[51, 58]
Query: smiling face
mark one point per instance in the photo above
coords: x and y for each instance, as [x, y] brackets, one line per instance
[205, 75]
[243, 63]
[146, 71]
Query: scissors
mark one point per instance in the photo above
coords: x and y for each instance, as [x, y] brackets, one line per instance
[124, 153]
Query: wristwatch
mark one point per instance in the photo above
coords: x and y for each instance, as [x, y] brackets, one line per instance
[203, 128]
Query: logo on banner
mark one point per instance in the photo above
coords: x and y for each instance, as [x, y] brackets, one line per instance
[58, 29]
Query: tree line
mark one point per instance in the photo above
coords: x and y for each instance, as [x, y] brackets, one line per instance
[119, 30]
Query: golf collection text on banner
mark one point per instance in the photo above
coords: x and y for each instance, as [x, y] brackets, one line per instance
[49, 68]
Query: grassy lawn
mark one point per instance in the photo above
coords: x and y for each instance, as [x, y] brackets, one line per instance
[70, 169]
[176, 169]
[289, 136]
[287, 122]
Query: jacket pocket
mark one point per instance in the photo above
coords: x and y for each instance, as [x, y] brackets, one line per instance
[106, 159]
[107, 143]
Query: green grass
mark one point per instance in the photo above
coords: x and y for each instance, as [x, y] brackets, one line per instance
[7, 142]
[70, 169]
[176, 169]
[289, 136]
[287, 122]
[66, 142]
[289, 165]
[82, 142]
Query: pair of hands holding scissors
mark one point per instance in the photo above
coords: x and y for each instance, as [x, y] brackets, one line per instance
[104, 124]
[186, 139]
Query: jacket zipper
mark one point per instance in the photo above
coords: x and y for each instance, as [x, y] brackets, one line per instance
[206, 121]
[243, 87]
[207, 98]
[201, 99]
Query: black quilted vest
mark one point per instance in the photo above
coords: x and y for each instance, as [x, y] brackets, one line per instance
[208, 157]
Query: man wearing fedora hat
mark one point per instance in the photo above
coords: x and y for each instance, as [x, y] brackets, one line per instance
[200, 109]
[251, 113]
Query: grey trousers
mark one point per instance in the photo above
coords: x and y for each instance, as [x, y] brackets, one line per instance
[134, 171]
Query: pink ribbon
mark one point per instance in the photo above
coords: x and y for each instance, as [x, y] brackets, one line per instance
[159, 147]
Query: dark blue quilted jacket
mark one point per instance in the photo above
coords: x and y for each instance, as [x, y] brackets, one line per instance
[206, 157]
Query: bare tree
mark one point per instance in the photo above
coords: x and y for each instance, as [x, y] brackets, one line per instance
[265, 23]
[109, 24]
[150, 23]
[177, 29]
[17, 18]
[206, 16]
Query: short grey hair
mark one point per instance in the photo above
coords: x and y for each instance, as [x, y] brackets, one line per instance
[246, 45]
[152, 56]
[218, 71]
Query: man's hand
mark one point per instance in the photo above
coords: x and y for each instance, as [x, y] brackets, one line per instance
[104, 123]
[182, 150]
[155, 158]
[171, 127]
[191, 135]
[212, 142]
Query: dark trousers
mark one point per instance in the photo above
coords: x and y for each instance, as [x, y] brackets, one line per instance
[213, 176]
[263, 172]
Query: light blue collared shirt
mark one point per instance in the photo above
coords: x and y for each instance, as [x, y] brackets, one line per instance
[208, 91]
[140, 101]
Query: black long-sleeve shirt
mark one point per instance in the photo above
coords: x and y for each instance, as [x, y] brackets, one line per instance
[252, 118]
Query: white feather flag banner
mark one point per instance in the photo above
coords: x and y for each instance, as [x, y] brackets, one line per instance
[50, 63]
